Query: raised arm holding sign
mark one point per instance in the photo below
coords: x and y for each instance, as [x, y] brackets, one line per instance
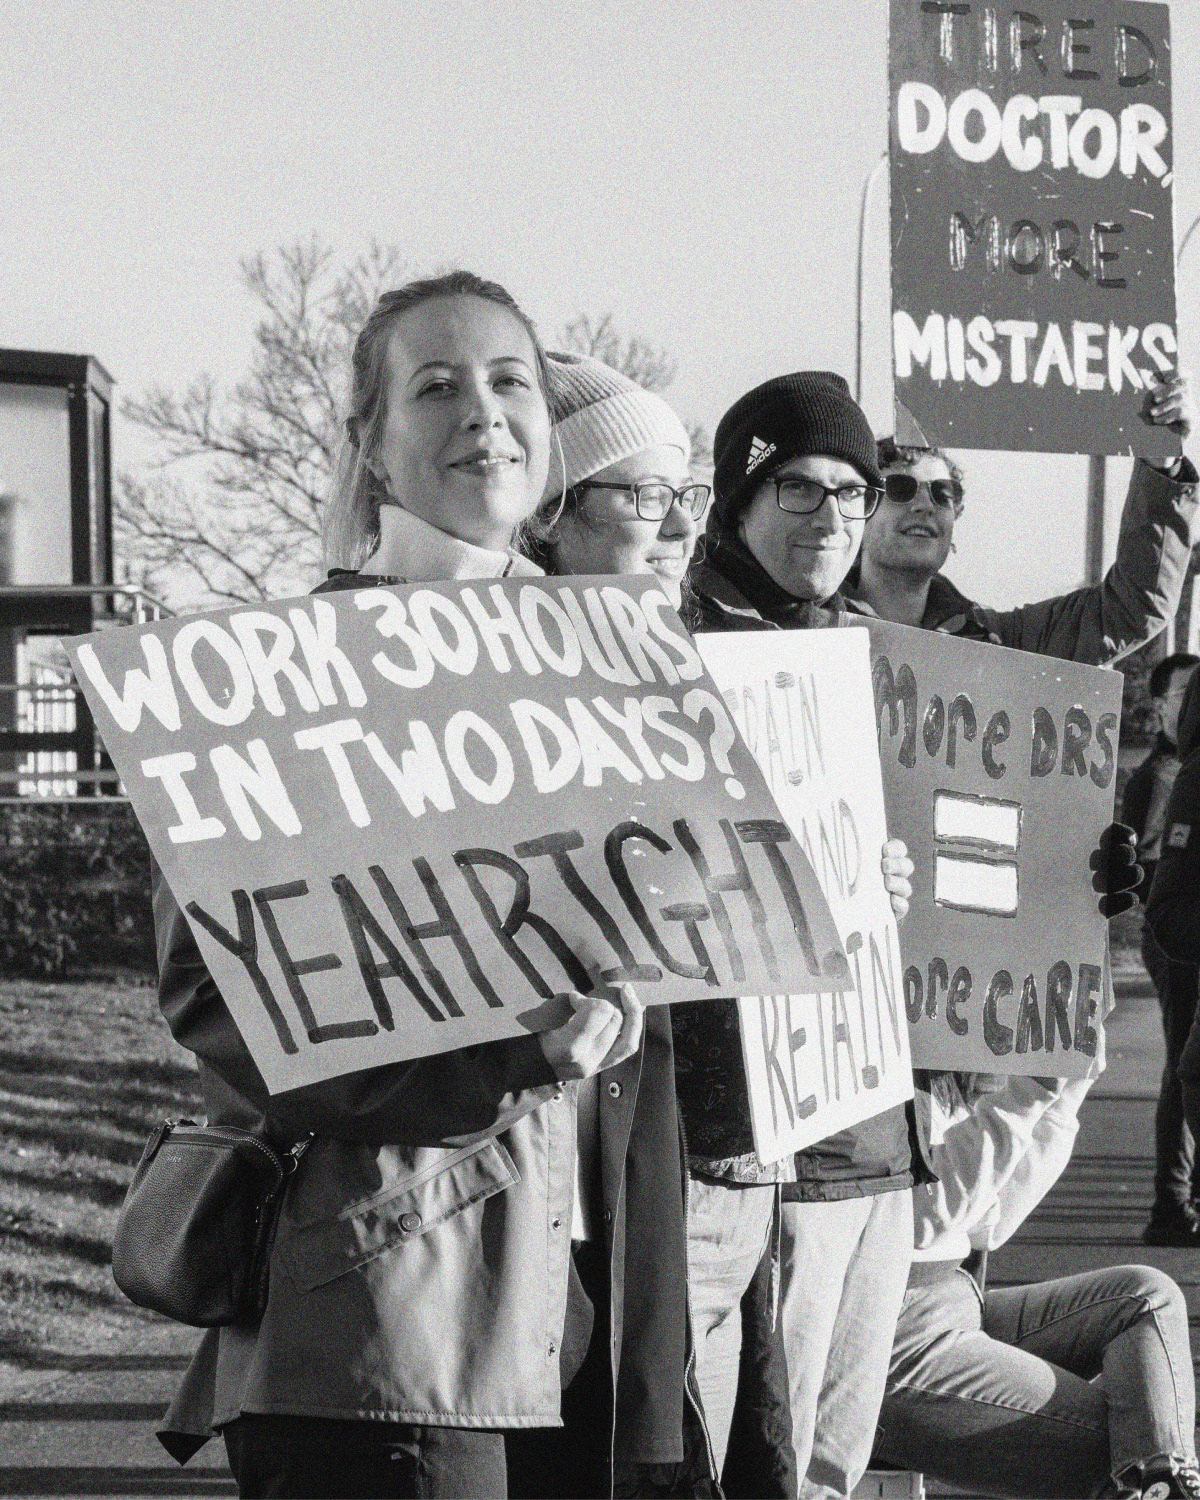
[911, 535]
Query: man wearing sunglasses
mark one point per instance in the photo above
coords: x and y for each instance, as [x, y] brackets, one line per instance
[954, 1368]
[911, 533]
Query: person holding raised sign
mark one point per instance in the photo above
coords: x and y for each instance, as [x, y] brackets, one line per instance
[962, 1373]
[911, 533]
[796, 478]
[423, 1296]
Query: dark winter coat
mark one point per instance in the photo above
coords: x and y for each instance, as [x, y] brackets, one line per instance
[1144, 805]
[1173, 908]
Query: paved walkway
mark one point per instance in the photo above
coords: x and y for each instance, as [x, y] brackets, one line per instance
[88, 1429]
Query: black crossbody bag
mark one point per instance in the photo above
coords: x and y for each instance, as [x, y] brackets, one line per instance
[194, 1236]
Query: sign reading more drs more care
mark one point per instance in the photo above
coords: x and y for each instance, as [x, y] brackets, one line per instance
[402, 820]
[818, 1063]
[1033, 293]
[998, 770]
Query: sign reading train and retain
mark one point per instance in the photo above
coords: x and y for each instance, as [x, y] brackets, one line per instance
[402, 820]
[998, 771]
[1033, 294]
[817, 1063]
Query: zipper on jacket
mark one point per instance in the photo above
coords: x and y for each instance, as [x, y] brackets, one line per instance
[689, 1370]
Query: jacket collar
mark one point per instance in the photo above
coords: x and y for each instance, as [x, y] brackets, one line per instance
[430, 555]
[946, 609]
[734, 576]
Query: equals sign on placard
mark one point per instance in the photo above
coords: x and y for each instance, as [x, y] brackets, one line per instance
[976, 840]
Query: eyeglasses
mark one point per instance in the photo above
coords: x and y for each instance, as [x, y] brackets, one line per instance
[801, 497]
[653, 498]
[903, 488]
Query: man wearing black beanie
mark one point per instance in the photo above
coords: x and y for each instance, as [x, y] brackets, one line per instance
[795, 479]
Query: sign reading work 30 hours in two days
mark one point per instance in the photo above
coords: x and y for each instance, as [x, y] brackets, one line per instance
[999, 771]
[1033, 297]
[405, 820]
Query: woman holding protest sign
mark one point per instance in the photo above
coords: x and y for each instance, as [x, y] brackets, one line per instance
[423, 1298]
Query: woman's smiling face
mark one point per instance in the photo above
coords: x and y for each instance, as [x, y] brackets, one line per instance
[465, 442]
[605, 534]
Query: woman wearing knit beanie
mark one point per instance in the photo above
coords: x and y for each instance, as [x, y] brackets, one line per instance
[795, 479]
[619, 499]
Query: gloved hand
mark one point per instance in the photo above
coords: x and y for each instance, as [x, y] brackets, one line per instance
[1116, 873]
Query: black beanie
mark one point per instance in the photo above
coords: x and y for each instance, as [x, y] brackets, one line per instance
[789, 417]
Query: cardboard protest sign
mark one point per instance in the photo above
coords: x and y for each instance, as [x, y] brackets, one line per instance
[998, 772]
[402, 820]
[1033, 264]
[818, 1063]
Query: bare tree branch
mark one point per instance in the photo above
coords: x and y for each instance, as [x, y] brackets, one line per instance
[230, 506]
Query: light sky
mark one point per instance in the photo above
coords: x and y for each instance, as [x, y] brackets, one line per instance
[692, 166]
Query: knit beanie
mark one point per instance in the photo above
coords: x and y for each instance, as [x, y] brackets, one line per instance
[792, 416]
[600, 417]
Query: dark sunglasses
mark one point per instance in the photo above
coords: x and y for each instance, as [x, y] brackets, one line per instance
[903, 488]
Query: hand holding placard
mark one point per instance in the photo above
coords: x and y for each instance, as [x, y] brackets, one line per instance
[402, 820]
[897, 876]
[600, 1033]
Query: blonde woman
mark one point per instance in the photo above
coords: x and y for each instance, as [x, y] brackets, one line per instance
[390, 1365]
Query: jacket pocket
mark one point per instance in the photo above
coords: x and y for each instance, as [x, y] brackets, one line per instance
[319, 1252]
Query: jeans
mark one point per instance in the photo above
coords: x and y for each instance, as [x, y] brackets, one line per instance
[760, 1461]
[845, 1266]
[729, 1225]
[319, 1456]
[1175, 1167]
[1049, 1389]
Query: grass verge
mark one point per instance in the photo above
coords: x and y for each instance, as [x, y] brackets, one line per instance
[86, 1071]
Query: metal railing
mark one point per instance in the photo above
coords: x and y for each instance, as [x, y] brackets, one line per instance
[27, 600]
[49, 749]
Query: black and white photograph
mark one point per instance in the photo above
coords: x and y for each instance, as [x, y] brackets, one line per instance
[600, 749]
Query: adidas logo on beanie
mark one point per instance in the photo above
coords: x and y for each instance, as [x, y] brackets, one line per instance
[792, 416]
